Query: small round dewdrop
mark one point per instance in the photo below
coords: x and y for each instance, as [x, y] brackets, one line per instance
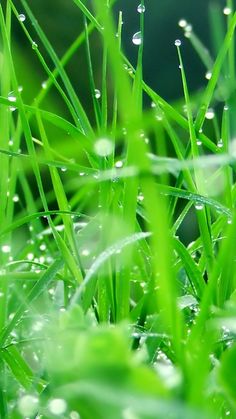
[208, 75]
[210, 114]
[178, 42]
[6, 248]
[34, 45]
[199, 206]
[11, 97]
[103, 147]
[137, 38]
[57, 406]
[97, 94]
[28, 405]
[119, 164]
[227, 11]
[141, 8]
[182, 23]
[21, 17]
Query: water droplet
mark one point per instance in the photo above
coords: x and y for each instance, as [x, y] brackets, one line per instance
[119, 164]
[210, 114]
[85, 252]
[21, 17]
[63, 169]
[188, 31]
[34, 45]
[42, 247]
[140, 197]
[44, 84]
[15, 198]
[220, 143]
[28, 405]
[10, 143]
[141, 8]
[199, 206]
[208, 75]
[57, 406]
[182, 23]
[226, 108]
[97, 93]
[30, 256]
[137, 38]
[199, 142]
[227, 11]
[177, 42]
[20, 89]
[6, 248]
[103, 147]
[11, 97]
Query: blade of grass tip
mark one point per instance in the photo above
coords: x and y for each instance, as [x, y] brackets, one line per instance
[207, 96]
[82, 117]
[195, 277]
[94, 92]
[201, 215]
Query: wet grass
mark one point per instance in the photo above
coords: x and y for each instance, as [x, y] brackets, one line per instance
[107, 310]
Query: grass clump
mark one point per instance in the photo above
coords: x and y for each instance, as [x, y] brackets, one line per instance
[107, 310]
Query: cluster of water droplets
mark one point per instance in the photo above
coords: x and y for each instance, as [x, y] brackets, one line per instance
[187, 27]
[28, 406]
[12, 98]
[137, 37]
[97, 93]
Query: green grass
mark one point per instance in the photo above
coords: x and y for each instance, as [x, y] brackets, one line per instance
[105, 311]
